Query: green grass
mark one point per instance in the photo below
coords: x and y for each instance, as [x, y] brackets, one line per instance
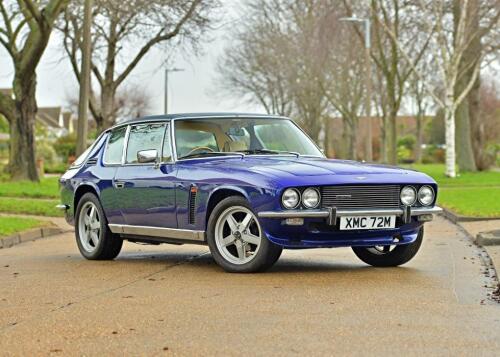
[11, 225]
[46, 188]
[38, 207]
[474, 194]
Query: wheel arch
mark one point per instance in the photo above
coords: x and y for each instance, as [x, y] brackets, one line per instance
[81, 190]
[218, 195]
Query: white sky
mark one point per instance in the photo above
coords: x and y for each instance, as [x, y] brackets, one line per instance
[189, 90]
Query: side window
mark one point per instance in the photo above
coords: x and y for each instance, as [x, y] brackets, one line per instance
[114, 148]
[167, 148]
[144, 137]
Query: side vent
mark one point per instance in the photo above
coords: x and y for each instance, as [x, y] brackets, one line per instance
[92, 161]
[192, 204]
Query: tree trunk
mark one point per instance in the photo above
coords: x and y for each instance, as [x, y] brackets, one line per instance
[418, 147]
[392, 138]
[383, 144]
[22, 161]
[350, 138]
[449, 117]
[465, 154]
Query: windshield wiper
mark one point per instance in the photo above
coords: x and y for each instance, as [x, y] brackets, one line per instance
[211, 153]
[267, 151]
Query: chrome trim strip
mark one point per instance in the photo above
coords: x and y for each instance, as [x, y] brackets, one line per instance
[294, 214]
[366, 212]
[173, 233]
[62, 207]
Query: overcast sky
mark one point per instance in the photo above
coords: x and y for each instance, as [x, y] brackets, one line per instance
[189, 90]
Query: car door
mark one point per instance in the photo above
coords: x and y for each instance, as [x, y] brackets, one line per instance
[147, 190]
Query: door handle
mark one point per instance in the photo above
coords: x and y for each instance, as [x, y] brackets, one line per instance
[119, 184]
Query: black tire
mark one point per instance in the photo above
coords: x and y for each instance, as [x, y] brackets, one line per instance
[267, 254]
[109, 244]
[400, 255]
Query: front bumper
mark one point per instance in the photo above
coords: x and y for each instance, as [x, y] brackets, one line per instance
[320, 228]
[332, 213]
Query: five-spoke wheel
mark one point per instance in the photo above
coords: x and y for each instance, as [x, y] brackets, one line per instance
[89, 226]
[237, 240]
[93, 236]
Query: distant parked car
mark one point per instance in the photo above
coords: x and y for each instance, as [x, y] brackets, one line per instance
[247, 185]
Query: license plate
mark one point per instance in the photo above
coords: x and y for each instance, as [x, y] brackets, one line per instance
[367, 222]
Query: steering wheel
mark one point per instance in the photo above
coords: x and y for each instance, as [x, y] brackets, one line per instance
[199, 148]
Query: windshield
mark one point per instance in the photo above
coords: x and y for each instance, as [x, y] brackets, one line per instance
[200, 137]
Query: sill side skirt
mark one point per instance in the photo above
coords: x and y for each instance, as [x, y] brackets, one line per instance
[147, 231]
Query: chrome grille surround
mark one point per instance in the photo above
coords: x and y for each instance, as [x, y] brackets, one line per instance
[361, 196]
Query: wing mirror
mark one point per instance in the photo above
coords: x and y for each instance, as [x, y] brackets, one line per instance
[147, 156]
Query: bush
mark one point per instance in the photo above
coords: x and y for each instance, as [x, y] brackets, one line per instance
[433, 154]
[65, 146]
[45, 151]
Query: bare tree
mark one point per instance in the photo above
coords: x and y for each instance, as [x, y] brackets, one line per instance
[129, 103]
[25, 28]
[343, 85]
[400, 17]
[277, 58]
[451, 40]
[123, 33]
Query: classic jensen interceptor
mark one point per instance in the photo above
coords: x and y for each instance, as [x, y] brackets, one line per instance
[245, 185]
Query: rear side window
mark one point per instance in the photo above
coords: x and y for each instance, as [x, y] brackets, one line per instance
[144, 137]
[114, 148]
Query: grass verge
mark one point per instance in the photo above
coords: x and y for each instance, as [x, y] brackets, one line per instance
[11, 225]
[473, 194]
[30, 206]
[46, 188]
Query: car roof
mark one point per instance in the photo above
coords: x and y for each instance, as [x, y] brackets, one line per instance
[218, 115]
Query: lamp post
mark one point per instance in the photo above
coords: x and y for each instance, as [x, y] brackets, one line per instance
[83, 102]
[368, 82]
[167, 70]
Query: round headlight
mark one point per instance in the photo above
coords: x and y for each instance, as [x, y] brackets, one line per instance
[290, 198]
[426, 195]
[408, 195]
[310, 198]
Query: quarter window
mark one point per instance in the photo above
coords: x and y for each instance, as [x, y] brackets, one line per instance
[114, 147]
[144, 137]
[167, 148]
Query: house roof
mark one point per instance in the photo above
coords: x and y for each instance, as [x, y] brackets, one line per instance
[49, 116]
[6, 91]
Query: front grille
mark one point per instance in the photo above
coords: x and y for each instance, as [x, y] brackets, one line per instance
[359, 197]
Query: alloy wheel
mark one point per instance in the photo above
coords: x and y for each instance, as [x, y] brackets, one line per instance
[89, 227]
[238, 235]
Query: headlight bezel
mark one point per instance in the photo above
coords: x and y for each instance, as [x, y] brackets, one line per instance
[414, 195]
[314, 189]
[299, 198]
[433, 195]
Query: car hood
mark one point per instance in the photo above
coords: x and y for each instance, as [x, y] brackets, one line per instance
[308, 170]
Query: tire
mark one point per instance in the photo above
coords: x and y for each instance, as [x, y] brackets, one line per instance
[93, 236]
[239, 245]
[400, 255]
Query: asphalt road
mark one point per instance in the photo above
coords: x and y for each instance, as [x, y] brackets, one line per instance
[175, 300]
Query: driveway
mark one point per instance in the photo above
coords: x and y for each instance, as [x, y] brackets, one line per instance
[175, 300]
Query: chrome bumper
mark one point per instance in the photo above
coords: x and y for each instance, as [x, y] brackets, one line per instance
[62, 207]
[332, 213]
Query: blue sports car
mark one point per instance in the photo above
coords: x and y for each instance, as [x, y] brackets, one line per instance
[247, 186]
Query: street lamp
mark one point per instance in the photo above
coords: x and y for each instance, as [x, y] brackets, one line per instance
[368, 81]
[167, 70]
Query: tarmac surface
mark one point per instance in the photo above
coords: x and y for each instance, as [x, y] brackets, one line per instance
[156, 300]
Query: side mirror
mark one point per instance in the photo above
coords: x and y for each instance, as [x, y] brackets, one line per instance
[147, 156]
